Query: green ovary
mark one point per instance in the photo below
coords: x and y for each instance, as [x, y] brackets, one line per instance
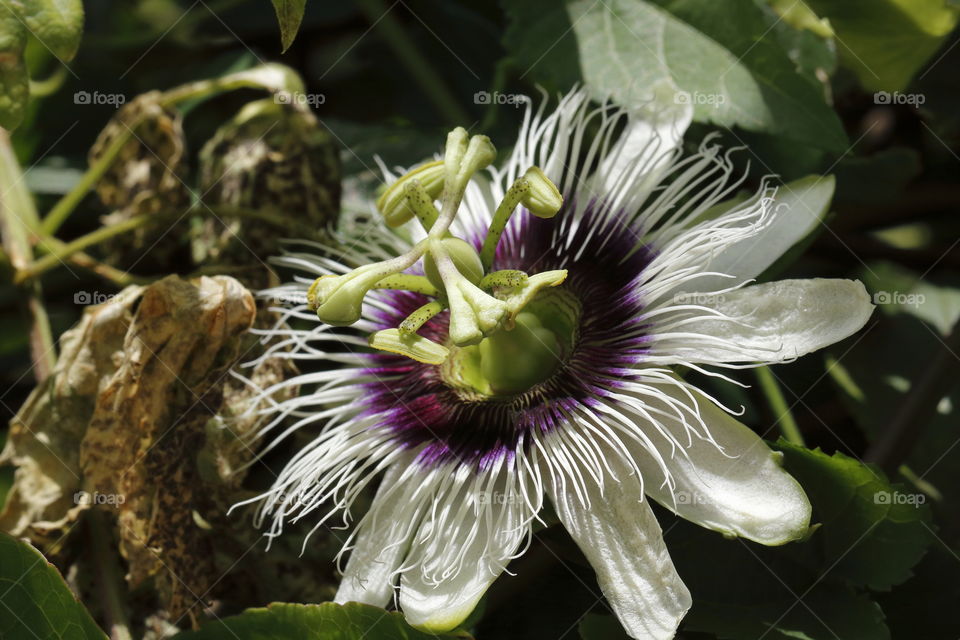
[510, 362]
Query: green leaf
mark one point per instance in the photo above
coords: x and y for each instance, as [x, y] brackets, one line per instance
[826, 612]
[885, 42]
[57, 24]
[873, 532]
[34, 600]
[801, 16]
[289, 15]
[14, 79]
[744, 591]
[808, 200]
[327, 621]
[935, 588]
[713, 51]
[807, 44]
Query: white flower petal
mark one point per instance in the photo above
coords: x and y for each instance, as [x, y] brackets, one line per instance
[797, 209]
[383, 537]
[740, 491]
[619, 535]
[462, 546]
[645, 149]
[771, 322]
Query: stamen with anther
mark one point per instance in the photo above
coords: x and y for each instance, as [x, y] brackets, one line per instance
[535, 192]
[413, 195]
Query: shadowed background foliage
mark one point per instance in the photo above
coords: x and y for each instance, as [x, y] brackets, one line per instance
[864, 90]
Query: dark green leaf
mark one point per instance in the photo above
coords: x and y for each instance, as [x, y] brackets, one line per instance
[934, 588]
[873, 532]
[289, 15]
[780, 100]
[826, 612]
[34, 600]
[745, 591]
[327, 621]
[598, 627]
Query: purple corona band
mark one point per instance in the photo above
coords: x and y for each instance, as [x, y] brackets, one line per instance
[417, 405]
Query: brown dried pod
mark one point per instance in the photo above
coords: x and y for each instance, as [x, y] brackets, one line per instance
[142, 420]
[272, 157]
[146, 177]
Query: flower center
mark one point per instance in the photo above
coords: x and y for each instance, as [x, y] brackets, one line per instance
[482, 303]
[508, 363]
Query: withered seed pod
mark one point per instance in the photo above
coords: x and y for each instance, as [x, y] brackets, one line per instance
[147, 176]
[271, 157]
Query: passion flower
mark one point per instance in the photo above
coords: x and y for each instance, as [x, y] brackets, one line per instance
[539, 357]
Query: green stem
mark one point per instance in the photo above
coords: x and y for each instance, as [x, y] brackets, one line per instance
[65, 206]
[57, 251]
[416, 63]
[118, 277]
[778, 403]
[47, 86]
[110, 579]
[921, 484]
[18, 221]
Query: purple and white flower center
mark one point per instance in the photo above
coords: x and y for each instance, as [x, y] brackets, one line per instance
[449, 413]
